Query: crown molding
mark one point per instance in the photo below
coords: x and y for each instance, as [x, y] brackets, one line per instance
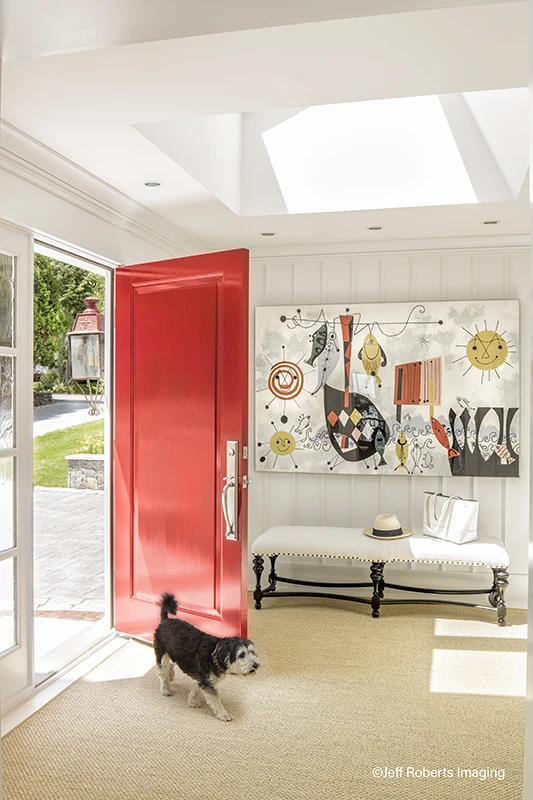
[470, 245]
[36, 163]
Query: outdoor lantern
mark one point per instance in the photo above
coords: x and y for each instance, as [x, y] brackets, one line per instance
[86, 351]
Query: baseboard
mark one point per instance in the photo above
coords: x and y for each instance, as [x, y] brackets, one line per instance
[516, 594]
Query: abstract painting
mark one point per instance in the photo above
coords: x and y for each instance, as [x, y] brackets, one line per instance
[389, 389]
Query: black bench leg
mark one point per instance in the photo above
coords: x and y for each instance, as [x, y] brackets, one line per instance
[376, 576]
[258, 569]
[493, 594]
[272, 577]
[497, 593]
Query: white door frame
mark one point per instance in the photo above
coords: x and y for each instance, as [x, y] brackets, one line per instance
[100, 630]
[17, 669]
[16, 664]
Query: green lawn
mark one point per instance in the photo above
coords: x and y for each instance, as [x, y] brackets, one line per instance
[49, 451]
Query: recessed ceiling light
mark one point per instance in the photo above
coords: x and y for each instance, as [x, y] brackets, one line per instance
[267, 233]
[152, 183]
[375, 228]
[491, 222]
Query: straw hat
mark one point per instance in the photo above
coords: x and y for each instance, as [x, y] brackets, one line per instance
[387, 526]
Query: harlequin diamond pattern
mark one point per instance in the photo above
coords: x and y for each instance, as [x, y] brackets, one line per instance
[355, 416]
[367, 431]
[332, 418]
[343, 417]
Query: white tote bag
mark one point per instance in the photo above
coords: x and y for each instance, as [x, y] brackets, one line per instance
[450, 518]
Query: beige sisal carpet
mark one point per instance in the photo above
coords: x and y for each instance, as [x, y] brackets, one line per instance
[339, 694]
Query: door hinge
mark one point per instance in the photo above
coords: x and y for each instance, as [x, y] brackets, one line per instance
[245, 451]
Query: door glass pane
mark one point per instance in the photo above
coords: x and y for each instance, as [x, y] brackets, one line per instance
[8, 627]
[7, 504]
[7, 300]
[7, 386]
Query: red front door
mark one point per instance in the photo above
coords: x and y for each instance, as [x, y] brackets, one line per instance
[181, 394]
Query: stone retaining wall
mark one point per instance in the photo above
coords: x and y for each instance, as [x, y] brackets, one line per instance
[42, 399]
[85, 471]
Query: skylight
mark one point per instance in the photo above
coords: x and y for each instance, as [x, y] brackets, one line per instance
[378, 154]
[439, 150]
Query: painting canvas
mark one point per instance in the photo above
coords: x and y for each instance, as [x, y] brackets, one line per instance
[389, 389]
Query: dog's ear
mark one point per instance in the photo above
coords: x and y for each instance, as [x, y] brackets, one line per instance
[228, 649]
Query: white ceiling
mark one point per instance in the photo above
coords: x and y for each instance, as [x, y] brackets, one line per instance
[85, 105]
[31, 28]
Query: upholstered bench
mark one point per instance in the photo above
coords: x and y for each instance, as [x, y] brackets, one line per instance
[326, 542]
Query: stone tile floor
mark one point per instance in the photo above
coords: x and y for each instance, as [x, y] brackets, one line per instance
[69, 553]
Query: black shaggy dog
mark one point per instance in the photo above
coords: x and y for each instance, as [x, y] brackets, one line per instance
[206, 659]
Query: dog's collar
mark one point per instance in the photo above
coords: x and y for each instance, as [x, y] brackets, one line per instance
[214, 657]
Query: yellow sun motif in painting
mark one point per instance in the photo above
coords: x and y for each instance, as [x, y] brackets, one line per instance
[486, 350]
[283, 443]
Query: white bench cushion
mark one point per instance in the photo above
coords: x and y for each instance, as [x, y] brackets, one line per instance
[325, 542]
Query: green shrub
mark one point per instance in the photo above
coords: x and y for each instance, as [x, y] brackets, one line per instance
[48, 382]
[93, 444]
[60, 387]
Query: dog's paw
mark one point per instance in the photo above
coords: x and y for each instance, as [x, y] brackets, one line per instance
[223, 716]
[193, 701]
[165, 691]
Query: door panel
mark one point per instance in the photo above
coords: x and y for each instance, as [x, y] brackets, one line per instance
[181, 394]
[173, 403]
[16, 418]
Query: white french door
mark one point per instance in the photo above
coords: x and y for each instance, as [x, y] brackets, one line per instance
[16, 414]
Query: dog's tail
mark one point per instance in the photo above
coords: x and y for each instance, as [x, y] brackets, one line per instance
[169, 605]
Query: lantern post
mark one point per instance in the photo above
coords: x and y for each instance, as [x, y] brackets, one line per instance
[86, 353]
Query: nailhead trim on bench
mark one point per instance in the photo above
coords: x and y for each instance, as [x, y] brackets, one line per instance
[389, 561]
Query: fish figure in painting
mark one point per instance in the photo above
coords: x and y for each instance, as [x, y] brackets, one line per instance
[319, 339]
[327, 361]
[465, 405]
[503, 452]
[442, 437]
[372, 357]
[379, 444]
[402, 451]
[416, 455]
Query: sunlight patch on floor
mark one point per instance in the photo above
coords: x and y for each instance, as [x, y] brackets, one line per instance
[143, 662]
[479, 672]
[475, 628]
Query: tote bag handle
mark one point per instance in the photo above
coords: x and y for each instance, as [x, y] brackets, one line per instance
[430, 512]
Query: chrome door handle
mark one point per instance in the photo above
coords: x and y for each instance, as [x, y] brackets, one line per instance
[230, 532]
[230, 491]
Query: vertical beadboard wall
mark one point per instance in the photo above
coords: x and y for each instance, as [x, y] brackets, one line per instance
[483, 273]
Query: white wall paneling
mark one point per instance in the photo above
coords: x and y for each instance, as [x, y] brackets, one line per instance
[454, 273]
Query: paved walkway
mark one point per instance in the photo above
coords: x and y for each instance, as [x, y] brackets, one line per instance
[60, 414]
[69, 553]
